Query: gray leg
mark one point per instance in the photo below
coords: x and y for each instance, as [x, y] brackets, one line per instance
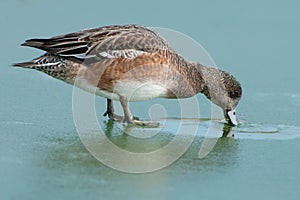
[127, 115]
[110, 111]
[128, 118]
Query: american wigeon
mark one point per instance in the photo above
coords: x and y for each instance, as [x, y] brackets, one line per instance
[131, 63]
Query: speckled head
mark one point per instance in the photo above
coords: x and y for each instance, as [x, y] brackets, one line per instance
[223, 90]
[234, 94]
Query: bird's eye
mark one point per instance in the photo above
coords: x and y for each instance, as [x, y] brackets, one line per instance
[233, 113]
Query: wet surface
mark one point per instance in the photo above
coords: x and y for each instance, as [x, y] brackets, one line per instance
[56, 164]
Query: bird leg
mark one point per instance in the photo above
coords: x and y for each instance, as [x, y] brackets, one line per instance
[128, 118]
[110, 112]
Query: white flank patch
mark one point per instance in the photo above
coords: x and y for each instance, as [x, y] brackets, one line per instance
[83, 84]
[138, 91]
[132, 90]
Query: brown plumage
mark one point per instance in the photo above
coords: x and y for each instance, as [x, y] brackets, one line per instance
[118, 60]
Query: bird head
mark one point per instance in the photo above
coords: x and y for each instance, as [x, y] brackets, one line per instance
[223, 90]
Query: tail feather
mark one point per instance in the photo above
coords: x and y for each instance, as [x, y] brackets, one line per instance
[36, 43]
[43, 61]
[28, 64]
[61, 46]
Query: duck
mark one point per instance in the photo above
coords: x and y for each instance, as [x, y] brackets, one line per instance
[128, 63]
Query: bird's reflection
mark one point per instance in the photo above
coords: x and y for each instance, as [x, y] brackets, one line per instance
[121, 139]
[214, 133]
[135, 138]
[221, 150]
[228, 130]
[125, 140]
[109, 125]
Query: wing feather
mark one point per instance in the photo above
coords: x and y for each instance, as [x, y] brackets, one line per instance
[108, 40]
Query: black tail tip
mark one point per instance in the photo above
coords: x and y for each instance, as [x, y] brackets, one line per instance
[34, 43]
[23, 64]
[16, 65]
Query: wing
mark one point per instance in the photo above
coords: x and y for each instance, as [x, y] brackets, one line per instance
[109, 42]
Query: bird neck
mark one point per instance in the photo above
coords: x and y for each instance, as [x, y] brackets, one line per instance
[197, 79]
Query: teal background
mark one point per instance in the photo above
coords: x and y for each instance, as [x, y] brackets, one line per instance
[41, 156]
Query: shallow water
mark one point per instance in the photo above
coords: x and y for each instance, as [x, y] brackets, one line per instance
[42, 156]
[58, 166]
